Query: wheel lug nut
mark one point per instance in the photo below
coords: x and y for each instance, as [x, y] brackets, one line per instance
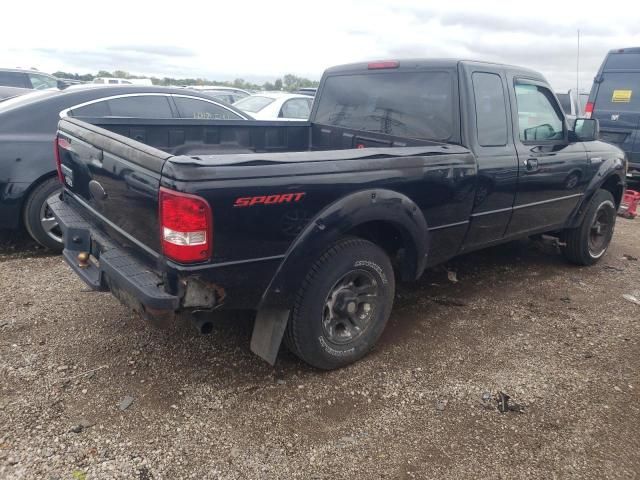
[366, 307]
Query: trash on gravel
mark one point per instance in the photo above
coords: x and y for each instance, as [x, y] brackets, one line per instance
[441, 404]
[504, 406]
[125, 403]
[81, 425]
[452, 276]
[449, 302]
[611, 267]
[631, 298]
[631, 258]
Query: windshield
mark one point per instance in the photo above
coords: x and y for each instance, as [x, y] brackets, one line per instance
[26, 99]
[253, 104]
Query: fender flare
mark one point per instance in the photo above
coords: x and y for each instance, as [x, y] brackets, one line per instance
[333, 222]
[613, 167]
[337, 220]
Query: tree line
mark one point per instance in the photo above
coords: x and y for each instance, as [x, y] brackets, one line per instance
[288, 82]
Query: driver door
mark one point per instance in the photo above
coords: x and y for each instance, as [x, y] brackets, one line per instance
[552, 171]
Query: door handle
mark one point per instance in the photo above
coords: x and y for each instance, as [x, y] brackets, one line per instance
[531, 164]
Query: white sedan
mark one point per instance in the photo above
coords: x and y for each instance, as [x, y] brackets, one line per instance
[276, 106]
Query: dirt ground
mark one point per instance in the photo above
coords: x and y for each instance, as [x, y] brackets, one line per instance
[560, 340]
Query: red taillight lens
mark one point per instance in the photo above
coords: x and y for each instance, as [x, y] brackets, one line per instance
[383, 64]
[186, 228]
[588, 109]
[57, 144]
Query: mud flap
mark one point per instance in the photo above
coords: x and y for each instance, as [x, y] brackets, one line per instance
[268, 331]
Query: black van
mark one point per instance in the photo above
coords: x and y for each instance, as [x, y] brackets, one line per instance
[615, 101]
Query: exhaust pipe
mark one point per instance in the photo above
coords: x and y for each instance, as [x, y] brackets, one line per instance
[204, 325]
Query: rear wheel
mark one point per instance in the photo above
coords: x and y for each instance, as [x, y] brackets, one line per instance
[587, 243]
[38, 218]
[342, 306]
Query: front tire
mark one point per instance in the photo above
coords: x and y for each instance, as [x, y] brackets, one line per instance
[587, 244]
[342, 306]
[38, 218]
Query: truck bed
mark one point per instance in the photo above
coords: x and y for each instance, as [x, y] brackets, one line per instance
[438, 177]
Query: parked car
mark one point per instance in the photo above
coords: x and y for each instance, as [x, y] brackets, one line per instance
[573, 104]
[311, 91]
[30, 79]
[8, 92]
[276, 106]
[402, 166]
[615, 101]
[229, 95]
[122, 81]
[27, 131]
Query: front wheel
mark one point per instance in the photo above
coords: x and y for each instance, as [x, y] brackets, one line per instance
[587, 243]
[342, 306]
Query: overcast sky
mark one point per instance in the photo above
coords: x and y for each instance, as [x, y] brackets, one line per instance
[259, 40]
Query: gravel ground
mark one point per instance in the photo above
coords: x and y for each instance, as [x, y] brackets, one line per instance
[90, 391]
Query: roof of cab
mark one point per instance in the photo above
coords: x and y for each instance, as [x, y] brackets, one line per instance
[625, 50]
[405, 64]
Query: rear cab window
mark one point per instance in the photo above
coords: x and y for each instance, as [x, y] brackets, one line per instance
[619, 91]
[415, 104]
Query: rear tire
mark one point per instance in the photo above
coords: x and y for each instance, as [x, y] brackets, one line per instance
[587, 244]
[38, 219]
[342, 306]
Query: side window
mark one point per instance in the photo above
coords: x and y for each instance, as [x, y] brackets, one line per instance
[13, 79]
[491, 111]
[93, 110]
[141, 106]
[200, 109]
[40, 82]
[113, 82]
[538, 117]
[296, 108]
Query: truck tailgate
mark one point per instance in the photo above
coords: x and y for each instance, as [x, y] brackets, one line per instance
[114, 177]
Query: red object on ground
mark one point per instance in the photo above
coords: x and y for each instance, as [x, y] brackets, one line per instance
[630, 202]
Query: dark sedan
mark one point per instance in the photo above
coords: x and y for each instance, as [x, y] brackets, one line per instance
[27, 129]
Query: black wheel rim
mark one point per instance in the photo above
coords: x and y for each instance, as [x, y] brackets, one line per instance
[600, 232]
[350, 306]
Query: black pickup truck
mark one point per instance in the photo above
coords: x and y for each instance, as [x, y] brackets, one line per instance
[402, 166]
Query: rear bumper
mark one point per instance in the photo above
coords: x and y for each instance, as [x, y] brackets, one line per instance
[110, 266]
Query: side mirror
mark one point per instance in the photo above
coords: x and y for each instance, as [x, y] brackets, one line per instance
[587, 129]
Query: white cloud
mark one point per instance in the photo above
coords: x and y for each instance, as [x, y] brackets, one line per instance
[262, 40]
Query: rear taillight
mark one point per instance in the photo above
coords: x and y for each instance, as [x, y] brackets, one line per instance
[186, 227]
[57, 144]
[588, 110]
[383, 64]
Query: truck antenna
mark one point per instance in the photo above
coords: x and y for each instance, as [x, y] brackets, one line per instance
[578, 71]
